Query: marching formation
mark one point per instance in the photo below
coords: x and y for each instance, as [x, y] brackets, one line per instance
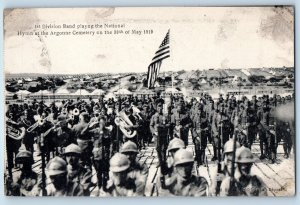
[74, 137]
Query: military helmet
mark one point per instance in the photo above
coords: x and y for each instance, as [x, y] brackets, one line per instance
[228, 146]
[119, 163]
[175, 143]
[244, 155]
[129, 146]
[57, 166]
[183, 156]
[24, 155]
[73, 148]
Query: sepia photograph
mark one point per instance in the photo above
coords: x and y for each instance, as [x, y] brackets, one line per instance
[150, 102]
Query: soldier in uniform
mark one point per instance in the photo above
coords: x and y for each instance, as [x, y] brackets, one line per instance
[215, 189]
[174, 145]
[159, 126]
[200, 133]
[181, 123]
[27, 179]
[101, 151]
[137, 170]
[120, 183]
[184, 183]
[245, 184]
[263, 129]
[84, 139]
[76, 172]
[60, 185]
[146, 115]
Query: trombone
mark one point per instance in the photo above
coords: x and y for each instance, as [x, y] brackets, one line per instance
[40, 122]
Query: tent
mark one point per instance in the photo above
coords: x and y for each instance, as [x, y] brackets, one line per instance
[43, 92]
[98, 92]
[109, 95]
[62, 91]
[81, 92]
[123, 91]
[23, 92]
[203, 81]
[172, 90]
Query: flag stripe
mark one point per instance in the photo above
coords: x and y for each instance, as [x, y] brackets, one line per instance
[162, 53]
[158, 57]
[162, 49]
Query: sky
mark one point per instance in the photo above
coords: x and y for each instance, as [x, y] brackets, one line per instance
[200, 38]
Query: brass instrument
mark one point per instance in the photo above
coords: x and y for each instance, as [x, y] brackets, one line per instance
[16, 134]
[136, 112]
[75, 112]
[38, 123]
[124, 123]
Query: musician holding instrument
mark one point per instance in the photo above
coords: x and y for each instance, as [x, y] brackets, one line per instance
[14, 136]
[26, 121]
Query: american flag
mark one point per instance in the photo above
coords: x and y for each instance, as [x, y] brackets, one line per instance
[162, 53]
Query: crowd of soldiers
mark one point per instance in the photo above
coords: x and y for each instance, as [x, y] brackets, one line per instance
[77, 136]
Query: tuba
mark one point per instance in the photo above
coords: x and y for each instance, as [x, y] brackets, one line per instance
[16, 134]
[124, 122]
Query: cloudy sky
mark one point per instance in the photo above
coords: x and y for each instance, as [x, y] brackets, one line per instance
[201, 38]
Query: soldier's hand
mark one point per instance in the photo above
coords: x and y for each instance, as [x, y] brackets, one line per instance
[219, 177]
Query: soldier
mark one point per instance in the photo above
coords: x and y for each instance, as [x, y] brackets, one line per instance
[184, 183]
[146, 115]
[225, 169]
[60, 185]
[200, 133]
[181, 123]
[246, 184]
[120, 183]
[26, 121]
[84, 139]
[137, 170]
[76, 172]
[174, 145]
[101, 151]
[27, 179]
[159, 126]
[263, 129]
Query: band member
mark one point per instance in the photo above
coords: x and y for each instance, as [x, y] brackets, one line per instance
[26, 121]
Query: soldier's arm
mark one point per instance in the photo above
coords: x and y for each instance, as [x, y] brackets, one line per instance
[86, 180]
[152, 129]
[202, 188]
